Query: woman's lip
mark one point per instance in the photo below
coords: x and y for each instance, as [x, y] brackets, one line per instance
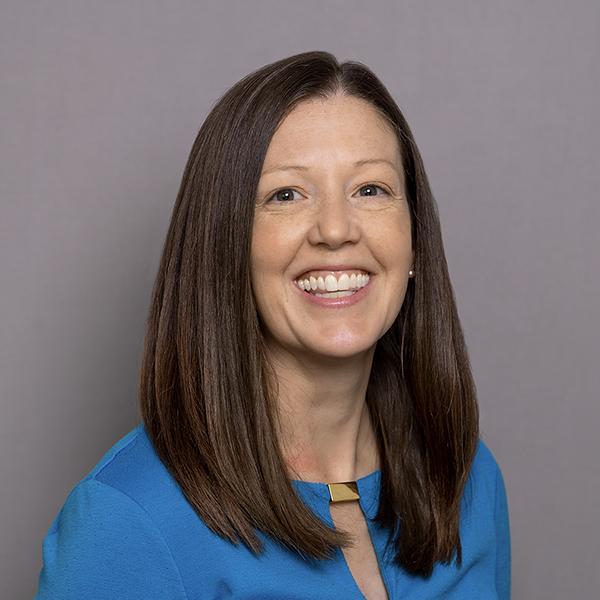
[336, 302]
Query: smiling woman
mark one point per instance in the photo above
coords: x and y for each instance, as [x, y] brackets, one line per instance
[332, 237]
[305, 387]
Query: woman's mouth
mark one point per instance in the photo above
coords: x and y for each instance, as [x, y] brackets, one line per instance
[335, 289]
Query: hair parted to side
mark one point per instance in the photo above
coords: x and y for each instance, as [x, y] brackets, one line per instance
[207, 393]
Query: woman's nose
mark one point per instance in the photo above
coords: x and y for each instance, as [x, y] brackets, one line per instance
[334, 222]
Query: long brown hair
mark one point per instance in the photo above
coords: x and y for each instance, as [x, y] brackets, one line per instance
[207, 393]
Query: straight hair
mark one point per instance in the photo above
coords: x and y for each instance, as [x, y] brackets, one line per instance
[207, 392]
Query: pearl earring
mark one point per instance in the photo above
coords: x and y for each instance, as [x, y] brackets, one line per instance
[411, 273]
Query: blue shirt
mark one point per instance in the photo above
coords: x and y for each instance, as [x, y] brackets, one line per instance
[126, 531]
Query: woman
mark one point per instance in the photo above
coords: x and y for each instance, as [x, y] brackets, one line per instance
[305, 387]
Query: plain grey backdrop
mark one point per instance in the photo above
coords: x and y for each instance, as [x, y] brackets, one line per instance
[100, 104]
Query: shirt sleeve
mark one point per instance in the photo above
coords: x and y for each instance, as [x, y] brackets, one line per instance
[503, 555]
[103, 544]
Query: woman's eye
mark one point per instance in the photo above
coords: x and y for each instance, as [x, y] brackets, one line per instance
[283, 195]
[373, 187]
[286, 195]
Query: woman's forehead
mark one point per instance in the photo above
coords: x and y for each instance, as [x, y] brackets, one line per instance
[342, 117]
[345, 131]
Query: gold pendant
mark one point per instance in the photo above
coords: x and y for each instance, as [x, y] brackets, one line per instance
[341, 492]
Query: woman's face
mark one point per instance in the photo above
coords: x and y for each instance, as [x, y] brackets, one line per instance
[325, 218]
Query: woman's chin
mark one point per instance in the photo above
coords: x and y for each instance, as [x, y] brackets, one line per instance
[340, 349]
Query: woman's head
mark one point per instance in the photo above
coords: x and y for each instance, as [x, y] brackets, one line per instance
[331, 205]
[207, 391]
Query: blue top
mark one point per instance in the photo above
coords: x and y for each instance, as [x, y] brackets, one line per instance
[127, 531]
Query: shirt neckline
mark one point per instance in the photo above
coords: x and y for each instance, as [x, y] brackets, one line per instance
[317, 493]
[365, 482]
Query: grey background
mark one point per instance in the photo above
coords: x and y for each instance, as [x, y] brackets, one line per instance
[100, 104]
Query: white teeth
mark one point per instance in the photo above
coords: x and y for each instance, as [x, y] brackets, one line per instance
[344, 282]
[331, 284]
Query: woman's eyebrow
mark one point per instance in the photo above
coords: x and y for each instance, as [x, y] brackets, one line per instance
[358, 163]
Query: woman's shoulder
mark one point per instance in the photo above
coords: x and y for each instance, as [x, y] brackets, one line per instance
[485, 483]
[489, 515]
[484, 461]
[108, 538]
[129, 477]
[117, 452]
[132, 466]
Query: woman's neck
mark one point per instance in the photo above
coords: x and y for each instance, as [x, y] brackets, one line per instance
[326, 432]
